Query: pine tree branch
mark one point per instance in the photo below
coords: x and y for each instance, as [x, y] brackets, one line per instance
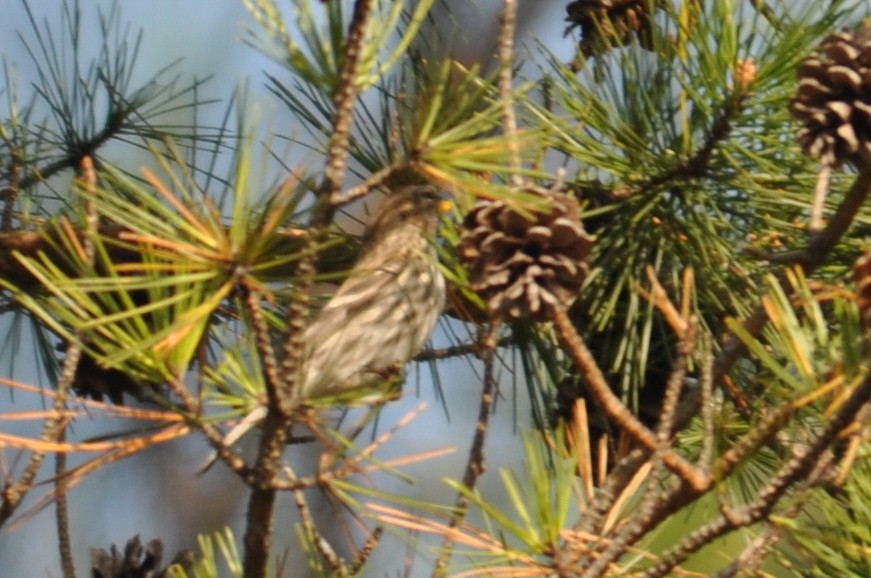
[507, 31]
[258, 531]
[259, 520]
[55, 426]
[696, 165]
[475, 465]
[809, 258]
[264, 344]
[616, 409]
[649, 507]
[732, 349]
[344, 98]
[88, 181]
[805, 468]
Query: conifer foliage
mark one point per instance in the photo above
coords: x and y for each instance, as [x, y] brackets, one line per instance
[663, 239]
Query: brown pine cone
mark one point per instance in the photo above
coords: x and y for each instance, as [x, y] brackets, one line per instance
[833, 100]
[525, 265]
[608, 23]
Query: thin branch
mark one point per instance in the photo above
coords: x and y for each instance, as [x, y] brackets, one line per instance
[374, 181]
[88, 181]
[649, 508]
[11, 192]
[823, 242]
[507, 31]
[309, 526]
[344, 99]
[264, 344]
[819, 204]
[366, 551]
[659, 297]
[616, 409]
[770, 423]
[62, 520]
[697, 165]
[706, 387]
[475, 465]
[754, 553]
[212, 434]
[461, 350]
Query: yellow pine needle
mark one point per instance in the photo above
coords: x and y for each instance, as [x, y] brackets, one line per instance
[38, 414]
[205, 232]
[783, 327]
[191, 319]
[834, 383]
[465, 534]
[131, 445]
[276, 217]
[216, 252]
[74, 240]
[91, 406]
[387, 435]
[411, 459]
[123, 449]
[630, 490]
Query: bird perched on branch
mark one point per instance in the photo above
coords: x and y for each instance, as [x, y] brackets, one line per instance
[381, 315]
[386, 309]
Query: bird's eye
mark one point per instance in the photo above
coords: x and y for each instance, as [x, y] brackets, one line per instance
[429, 194]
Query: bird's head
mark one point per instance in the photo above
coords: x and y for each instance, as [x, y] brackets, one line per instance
[410, 207]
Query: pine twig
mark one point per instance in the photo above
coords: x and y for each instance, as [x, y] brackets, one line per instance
[706, 388]
[822, 243]
[366, 551]
[818, 207]
[88, 181]
[649, 508]
[310, 528]
[754, 554]
[460, 350]
[11, 192]
[616, 409]
[259, 520]
[375, 180]
[68, 373]
[264, 343]
[507, 31]
[344, 99]
[62, 519]
[809, 258]
[475, 465]
[261, 504]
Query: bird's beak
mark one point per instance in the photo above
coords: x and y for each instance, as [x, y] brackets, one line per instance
[445, 206]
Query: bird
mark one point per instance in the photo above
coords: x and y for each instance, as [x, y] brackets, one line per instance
[386, 309]
[381, 315]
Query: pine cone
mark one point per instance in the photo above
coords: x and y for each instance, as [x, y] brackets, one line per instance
[132, 564]
[524, 267]
[834, 99]
[862, 277]
[606, 23]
